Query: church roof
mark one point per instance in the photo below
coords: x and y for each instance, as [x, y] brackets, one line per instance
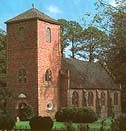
[88, 75]
[32, 14]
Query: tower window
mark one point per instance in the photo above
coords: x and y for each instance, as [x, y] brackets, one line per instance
[22, 76]
[48, 75]
[48, 35]
[21, 34]
[75, 99]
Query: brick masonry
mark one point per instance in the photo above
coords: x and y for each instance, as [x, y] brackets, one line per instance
[35, 56]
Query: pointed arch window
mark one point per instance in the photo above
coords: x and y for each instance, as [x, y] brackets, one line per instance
[48, 75]
[22, 75]
[75, 99]
[84, 102]
[103, 98]
[115, 98]
[48, 35]
[90, 98]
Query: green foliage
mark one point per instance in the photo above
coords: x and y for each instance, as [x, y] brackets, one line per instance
[112, 20]
[5, 96]
[70, 36]
[25, 113]
[76, 114]
[6, 121]
[41, 123]
[64, 34]
[2, 52]
[94, 41]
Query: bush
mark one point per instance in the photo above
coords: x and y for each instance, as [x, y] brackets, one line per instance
[76, 114]
[41, 123]
[26, 113]
[6, 122]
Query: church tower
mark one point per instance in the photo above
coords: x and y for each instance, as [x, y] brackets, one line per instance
[33, 62]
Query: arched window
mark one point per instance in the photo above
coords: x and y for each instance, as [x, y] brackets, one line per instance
[115, 98]
[48, 35]
[90, 98]
[21, 34]
[84, 102]
[48, 75]
[75, 99]
[22, 75]
[102, 98]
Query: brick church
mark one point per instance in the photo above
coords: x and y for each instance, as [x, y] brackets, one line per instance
[40, 77]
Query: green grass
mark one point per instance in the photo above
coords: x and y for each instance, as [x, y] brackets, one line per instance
[59, 125]
[22, 125]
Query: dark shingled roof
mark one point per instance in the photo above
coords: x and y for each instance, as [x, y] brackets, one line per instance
[33, 14]
[88, 75]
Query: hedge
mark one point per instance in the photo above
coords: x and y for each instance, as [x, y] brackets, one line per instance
[76, 114]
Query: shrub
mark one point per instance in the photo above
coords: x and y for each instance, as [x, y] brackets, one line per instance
[47, 123]
[6, 122]
[41, 123]
[76, 114]
[35, 123]
[26, 113]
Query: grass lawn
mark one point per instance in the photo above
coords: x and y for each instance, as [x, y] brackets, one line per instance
[22, 125]
[97, 124]
[58, 125]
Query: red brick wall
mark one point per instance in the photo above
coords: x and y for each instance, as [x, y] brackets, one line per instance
[22, 55]
[49, 57]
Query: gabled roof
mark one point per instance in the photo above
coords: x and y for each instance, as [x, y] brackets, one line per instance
[90, 75]
[32, 14]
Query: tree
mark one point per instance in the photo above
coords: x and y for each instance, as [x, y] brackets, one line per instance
[70, 36]
[74, 37]
[64, 34]
[117, 54]
[94, 41]
[112, 20]
[2, 52]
